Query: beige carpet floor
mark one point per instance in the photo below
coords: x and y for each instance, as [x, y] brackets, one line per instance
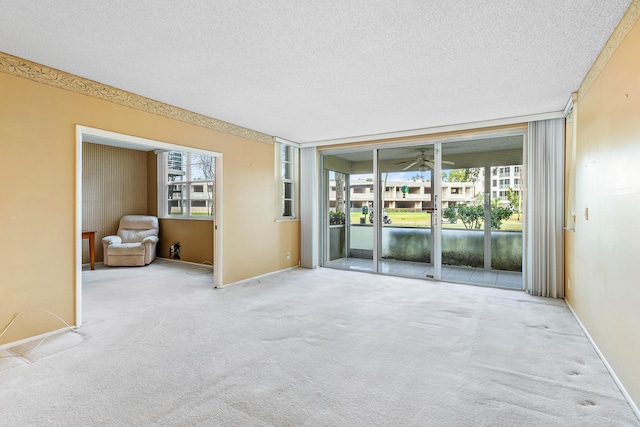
[319, 347]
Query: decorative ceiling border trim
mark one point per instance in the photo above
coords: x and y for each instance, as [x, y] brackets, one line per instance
[19, 67]
[623, 28]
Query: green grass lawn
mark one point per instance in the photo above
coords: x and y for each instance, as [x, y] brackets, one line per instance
[513, 223]
[423, 219]
[401, 219]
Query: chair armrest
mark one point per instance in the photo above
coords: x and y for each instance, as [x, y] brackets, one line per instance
[111, 240]
[149, 243]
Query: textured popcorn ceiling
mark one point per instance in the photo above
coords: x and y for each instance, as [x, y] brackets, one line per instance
[318, 70]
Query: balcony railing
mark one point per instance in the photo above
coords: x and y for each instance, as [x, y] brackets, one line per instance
[460, 247]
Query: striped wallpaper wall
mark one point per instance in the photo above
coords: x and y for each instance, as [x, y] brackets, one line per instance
[114, 183]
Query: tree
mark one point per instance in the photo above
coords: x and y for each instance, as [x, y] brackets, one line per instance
[463, 175]
[204, 168]
[340, 199]
[472, 216]
[205, 164]
[499, 214]
[417, 177]
[336, 218]
[514, 200]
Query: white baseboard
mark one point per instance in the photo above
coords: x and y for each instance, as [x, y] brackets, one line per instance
[199, 264]
[630, 401]
[260, 276]
[35, 338]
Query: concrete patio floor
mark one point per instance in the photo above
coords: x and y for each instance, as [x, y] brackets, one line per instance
[476, 276]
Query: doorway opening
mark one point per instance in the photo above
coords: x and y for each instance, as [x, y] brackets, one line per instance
[102, 137]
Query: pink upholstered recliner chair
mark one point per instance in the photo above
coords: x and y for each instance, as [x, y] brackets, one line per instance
[135, 243]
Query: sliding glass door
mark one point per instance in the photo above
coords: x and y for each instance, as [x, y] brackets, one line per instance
[443, 211]
[347, 211]
[407, 212]
[482, 199]
[336, 215]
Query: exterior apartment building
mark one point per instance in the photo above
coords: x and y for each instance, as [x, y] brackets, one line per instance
[189, 184]
[503, 178]
[418, 196]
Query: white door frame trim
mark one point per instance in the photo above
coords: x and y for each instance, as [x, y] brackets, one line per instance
[128, 141]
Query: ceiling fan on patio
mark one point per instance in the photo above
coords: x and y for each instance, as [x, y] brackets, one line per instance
[423, 161]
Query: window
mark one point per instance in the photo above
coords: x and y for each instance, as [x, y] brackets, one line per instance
[287, 174]
[185, 185]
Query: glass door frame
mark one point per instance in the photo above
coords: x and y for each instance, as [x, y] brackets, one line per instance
[436, 225]
[437, 143]
[436, 214]
[325, 216]
[377, 213]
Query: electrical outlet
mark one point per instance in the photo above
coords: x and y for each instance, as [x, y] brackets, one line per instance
[569, 283]
[288, 255]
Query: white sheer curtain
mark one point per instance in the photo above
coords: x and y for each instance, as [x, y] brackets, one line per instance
[545, 240]
[309, 234]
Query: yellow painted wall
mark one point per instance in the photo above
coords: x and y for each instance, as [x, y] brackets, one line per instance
[195, 238]
[603, 254]
[37, 132]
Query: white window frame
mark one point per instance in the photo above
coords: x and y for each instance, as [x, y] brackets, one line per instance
[281, 181]
[163, 184]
